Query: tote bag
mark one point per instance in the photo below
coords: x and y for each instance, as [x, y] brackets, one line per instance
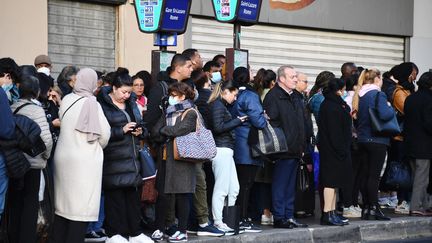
[380, 127]
[268, 142]
[198, 146]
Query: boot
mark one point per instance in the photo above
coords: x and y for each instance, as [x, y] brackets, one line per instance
[337, 218]
[365, 213]
[328, 219]
[376, 213]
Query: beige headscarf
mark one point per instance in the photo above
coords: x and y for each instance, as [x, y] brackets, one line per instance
[88, 120]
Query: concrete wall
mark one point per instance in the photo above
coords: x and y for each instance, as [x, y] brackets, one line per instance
[134, 47]
[421, 42]
[23, 30]
[391, 17]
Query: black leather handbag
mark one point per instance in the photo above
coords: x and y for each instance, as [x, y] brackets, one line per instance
[302, 177]
[380, 127]
[231, 216]
[268, 142]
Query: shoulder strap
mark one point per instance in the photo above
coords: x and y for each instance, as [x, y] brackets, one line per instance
[20, 107]
[164, 88]
[64, 113]
[377, 99]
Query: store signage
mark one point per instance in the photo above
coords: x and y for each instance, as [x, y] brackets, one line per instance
[225, 10]
[175, 15]
[243, 11]
[148, 14]
[162, 15]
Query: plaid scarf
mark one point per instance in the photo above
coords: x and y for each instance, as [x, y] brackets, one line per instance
[174, 111]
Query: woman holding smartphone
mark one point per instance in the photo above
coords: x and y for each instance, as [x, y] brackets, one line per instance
[222, 125]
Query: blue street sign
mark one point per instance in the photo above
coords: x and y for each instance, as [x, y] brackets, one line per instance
[175, 15]
[248, 11]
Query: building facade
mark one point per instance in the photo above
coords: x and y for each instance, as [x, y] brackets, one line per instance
[312, 35]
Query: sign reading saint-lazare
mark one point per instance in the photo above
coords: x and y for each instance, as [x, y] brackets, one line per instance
[290, 4]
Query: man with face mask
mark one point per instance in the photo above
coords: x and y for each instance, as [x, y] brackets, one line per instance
[43, 64]
[213, 71]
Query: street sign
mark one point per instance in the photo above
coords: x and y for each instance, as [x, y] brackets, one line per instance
[148, 14]
[225, 10]
[175, 16]
[241, 11]
[248, 11]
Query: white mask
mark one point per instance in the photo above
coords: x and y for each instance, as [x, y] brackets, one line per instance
[44, 70]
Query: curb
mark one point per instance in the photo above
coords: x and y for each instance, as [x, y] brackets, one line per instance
[357, 231]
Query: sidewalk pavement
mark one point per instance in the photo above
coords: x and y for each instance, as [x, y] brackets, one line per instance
[399, 227]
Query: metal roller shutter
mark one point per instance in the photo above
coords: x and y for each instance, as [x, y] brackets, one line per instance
[309, 51]
[81, 34]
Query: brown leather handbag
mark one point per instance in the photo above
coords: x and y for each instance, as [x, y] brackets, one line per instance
[149, 193]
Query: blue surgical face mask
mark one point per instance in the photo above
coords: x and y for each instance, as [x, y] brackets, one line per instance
[216, 77]
[172, 101]
[344, 94]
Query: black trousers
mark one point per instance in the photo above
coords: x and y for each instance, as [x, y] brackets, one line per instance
[356, 159]
[123, 211]
[23, 206]
[373, 160]
[182, 209]
[67, 231]
[246, 176]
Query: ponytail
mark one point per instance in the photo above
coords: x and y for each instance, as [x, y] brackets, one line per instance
[367, 76]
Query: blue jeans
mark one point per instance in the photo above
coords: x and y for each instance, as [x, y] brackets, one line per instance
[97, 226]
[3, 183]
[284, 188]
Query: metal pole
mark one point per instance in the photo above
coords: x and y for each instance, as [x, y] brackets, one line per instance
[236, 35]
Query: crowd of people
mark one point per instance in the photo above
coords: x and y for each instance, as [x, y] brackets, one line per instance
[75, 175]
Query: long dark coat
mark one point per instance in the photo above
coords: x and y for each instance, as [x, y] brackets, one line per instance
[334, 139]
[179, 175]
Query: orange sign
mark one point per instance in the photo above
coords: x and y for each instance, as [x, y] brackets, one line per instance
[290, 4]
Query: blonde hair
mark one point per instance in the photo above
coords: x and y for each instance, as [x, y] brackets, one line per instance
[219, 88]
[366, 77]
[217, 91]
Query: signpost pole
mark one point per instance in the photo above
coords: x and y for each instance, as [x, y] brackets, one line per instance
[236, 35]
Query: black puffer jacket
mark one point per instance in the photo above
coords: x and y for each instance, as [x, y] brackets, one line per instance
[121, 167]
[26, 133]
[222, 124]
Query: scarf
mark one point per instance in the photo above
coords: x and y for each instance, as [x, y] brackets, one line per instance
[142, 100]
[174, 111]
[88, 120]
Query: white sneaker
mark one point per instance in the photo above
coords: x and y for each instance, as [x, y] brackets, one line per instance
[223, 227]
[358, 209]
[157, 235]
[116, 239]
[393, 202]
[351, 212]
[141, 238]
[403, 208]
[266, 220]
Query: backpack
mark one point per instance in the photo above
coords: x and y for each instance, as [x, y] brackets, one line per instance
[154, 131]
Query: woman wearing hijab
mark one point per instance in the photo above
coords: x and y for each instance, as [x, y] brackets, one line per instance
[78, 160]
